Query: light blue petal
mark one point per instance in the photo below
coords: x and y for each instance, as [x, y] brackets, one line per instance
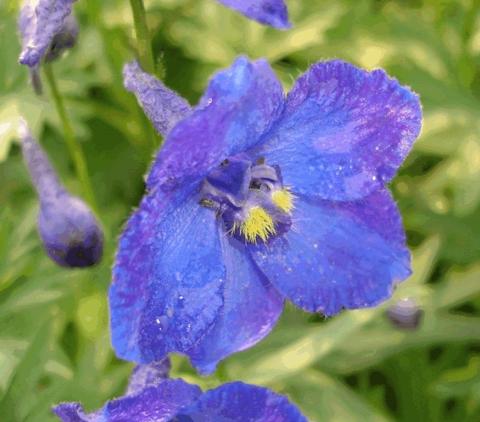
[344, 131]
[338, 254]
[268, 12]
[239, 105]
[251, 307]
[157, 403]
[239, 402]
[167, 279]
[153, 404]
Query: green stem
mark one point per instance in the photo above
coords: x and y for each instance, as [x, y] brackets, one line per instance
[74, 147]
[144, 45]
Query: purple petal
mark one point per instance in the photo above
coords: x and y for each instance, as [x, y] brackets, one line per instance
[167, 278]
[239, 105]
[344, 131]
[38, 25]
[148, 375]
[268, 12]
[73, 412]
[338, 254]
[238, 402]
[251, 307]
[164, 107]
[157, 403]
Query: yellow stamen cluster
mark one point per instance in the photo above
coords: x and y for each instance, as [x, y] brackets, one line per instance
[258, 224]
[283, 199]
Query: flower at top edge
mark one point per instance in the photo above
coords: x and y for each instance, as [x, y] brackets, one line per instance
[70, 233]
[47, 28]
[161, 399]
[268, 12]
[257, 197]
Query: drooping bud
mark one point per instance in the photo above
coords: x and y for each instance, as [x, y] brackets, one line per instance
[69, 231]
[63, 40]
[47, 28]
[405, 314]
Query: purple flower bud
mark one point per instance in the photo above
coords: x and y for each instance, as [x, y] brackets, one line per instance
[70, 232]
[405, 314]
[47, 29]
[63, 40]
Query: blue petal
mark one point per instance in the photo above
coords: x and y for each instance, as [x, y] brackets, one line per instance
[268, 12]
[164, 107]
[251, 307]
[344, 131]
[239, 402]
[167, 278]
[239, 105]
[179, 286]
[159, 403]
[38, 24]
[73, 412]
[338, 254]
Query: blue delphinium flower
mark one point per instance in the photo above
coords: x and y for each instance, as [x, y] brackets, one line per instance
[47, 29]
[257, 197]
[156, 398]
[268, 12]
[69, 231]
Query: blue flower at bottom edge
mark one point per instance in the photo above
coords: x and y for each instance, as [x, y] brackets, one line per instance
[268, 12]
[256, 198]
[155, 398]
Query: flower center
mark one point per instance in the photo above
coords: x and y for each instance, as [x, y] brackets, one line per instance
[249, 198]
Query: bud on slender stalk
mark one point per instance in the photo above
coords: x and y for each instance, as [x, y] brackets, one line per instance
[47, 29]
[405, 314]
[69, 231]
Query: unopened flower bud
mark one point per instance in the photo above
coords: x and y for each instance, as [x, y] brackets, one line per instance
[69, 231]
[405, 314]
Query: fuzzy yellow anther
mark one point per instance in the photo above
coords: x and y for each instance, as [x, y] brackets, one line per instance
[258, 224]
[283, 199]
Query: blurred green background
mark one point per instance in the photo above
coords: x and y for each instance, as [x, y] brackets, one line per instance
[54, 339]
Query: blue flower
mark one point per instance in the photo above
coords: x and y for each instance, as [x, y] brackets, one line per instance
[69, 231]
[255, 198]
[159, 399]
[268, 12]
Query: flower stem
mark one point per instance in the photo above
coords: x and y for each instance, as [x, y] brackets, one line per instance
[73, 146]
[144, 45]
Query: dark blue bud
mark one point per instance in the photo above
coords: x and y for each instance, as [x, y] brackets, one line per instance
[69, 231]
[405, 314]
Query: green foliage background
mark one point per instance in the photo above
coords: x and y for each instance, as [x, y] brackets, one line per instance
[54, 339]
